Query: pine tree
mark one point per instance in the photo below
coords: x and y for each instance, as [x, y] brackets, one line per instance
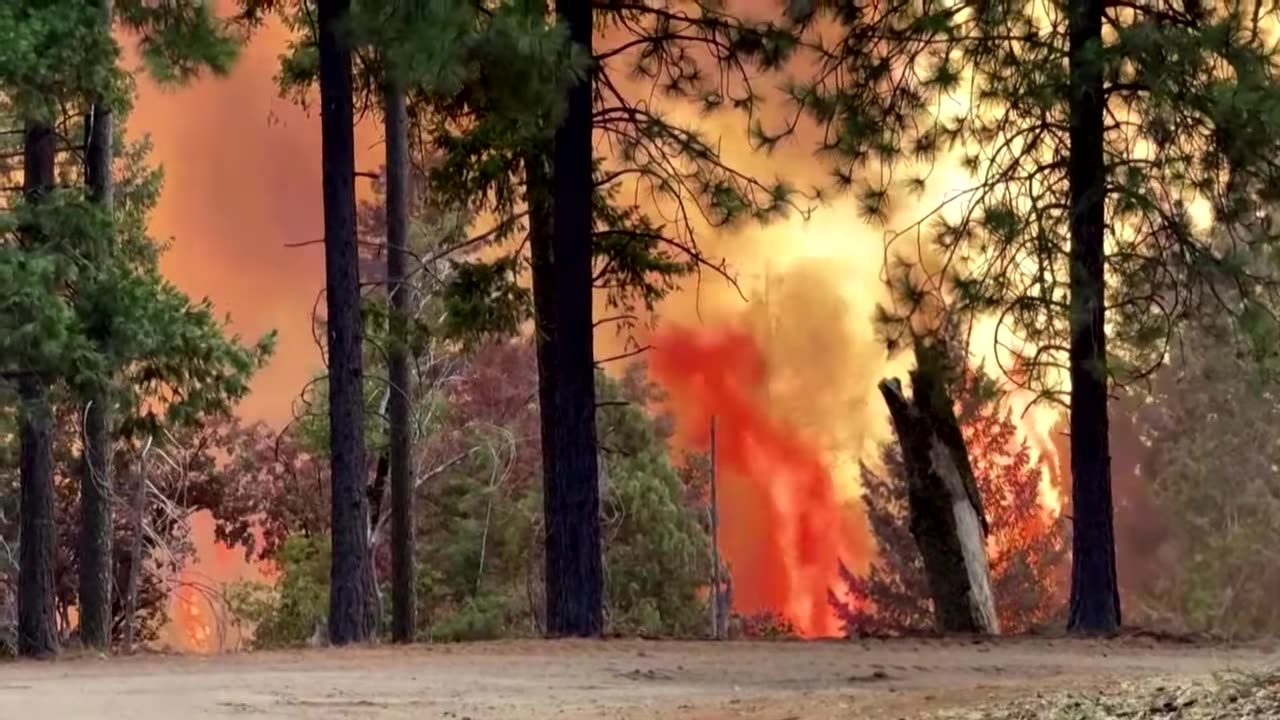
[403, 573]
[40, 34]
[634, 260]
[348, 616]
[1140, 114]
[88, 300]
[210, 47]
[571, 496]
[495, 130]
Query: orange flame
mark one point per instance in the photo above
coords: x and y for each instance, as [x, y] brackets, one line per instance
[782, 530]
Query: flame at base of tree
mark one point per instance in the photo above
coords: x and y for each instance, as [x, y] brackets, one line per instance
[783, 532]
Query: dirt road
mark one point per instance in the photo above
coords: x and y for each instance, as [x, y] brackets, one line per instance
[597, 680]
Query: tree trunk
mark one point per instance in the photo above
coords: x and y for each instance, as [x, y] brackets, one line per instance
[538, 192]
[37, 533]
[404, 574]
[946, 515]
[1095, 599]
[95, 525]
[96, 558]
[575, 575]
[37, 623]
[348, 612]
[135, 554]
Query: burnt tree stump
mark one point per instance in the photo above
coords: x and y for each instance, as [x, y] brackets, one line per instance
[945, 509]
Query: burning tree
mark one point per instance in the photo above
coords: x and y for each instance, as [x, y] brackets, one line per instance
[1026, 544]
[1095, 133]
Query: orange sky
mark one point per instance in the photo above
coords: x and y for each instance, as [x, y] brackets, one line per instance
[242, 179]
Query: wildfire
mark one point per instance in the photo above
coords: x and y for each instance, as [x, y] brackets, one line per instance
[197, 630]
[788, 464]
[195, 621]
[783, 532]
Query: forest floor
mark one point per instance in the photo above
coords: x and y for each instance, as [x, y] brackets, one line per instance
[631, 680]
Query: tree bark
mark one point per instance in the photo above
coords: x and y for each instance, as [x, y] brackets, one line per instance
[946, 515]
[404, 573]
[539, 192]
[95, 481]
[1095, 599]
[349, 615]
[37, 560]
[37, 533]
[575, 575]
[135, 554]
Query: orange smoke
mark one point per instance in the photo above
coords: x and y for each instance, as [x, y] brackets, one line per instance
[782, 530]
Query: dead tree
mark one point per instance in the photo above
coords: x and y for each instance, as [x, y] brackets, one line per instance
[945, 510]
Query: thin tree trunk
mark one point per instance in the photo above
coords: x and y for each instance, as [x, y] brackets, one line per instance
[538, 191]
[575, 575]
[1095, 601]
[404, 573]
[135, 554]
[37, 533]
[96, 560]
[349, 618]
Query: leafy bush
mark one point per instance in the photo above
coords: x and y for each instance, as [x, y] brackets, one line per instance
[286, 614]
[479, 546]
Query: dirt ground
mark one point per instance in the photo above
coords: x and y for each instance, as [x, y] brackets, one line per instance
[613, 680]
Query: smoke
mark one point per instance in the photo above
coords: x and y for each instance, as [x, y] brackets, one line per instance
[242, 184]
[785, 354]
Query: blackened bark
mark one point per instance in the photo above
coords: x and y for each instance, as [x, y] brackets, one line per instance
[37, 532]
[95, 479]
[404, 573]
[349, 615]
[574, 574]
[1095, 599]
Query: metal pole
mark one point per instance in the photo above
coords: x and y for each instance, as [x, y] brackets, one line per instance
[715, 541]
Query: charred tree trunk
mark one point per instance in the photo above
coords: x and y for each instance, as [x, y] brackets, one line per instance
[403, 571]
[349, 615]
[1095, 598]
[37, 533]
[946, 515]
[575, 574]
[96, 559]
